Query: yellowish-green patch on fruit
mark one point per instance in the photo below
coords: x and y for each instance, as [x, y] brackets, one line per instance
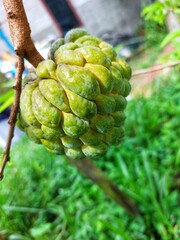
[46, 69]
[53, 145]
[73, 126]
[103, 75]
[20, 122]
[119, 118]
[74, 153]
[114, 136]
[102, 123]
[121, 102]
[120, 68]
[34, 133]
[91, 138]
[52, 133]
[127, 87]
[59, 42]
[78, 80]
[66, 55]
[105, 104]
[54, 93]
[44, 111]
[95, 151]
[70, 57]
[74, 34]
[94, 55]
[66, 46]
[26, 104]
[80, 106]
[118, 80]
[88, 40]
[108, 50]
[126, 68]
[70, 142]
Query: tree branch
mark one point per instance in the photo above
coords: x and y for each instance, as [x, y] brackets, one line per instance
[13, 115]
[20, 31]
[155, 68]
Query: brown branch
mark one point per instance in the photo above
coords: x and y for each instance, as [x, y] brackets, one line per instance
[13, 115]
[154, 69]
[87, 167]
[24, 47]
[20, 31]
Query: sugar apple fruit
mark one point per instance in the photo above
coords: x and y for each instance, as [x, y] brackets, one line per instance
[75, 105]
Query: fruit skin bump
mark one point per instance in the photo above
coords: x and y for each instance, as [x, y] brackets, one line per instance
[75, 106]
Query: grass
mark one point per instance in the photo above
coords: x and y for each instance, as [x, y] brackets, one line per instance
[43, 197]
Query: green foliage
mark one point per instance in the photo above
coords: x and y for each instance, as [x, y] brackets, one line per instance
[6, 93]
[170, 37]
[6, 100]
[43, 197]
[159, 10]
[154, 33]
[155, 16]
[155, 11]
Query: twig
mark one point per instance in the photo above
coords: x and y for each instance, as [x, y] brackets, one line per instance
[14, 111]
[155, 68]
[87, 167]
[20, 31]
[24, 47]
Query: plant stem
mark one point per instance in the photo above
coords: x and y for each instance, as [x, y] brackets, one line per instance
[88, 168]
[24, 47]
[155, 68]
[20, 31]
[13, 114]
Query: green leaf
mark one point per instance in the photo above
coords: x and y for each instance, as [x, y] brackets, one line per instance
[154, 12]
[6, 104]
[170, 37]
[40, 230]
[6, 95]
[17, 237]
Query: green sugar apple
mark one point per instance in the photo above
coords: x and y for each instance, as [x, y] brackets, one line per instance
[75, 105]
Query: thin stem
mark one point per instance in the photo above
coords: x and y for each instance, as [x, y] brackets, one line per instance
[24, 47]
[13, 114]
[155, 68]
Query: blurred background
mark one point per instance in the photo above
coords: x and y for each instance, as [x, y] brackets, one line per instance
[50, 19]
[42, 196]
